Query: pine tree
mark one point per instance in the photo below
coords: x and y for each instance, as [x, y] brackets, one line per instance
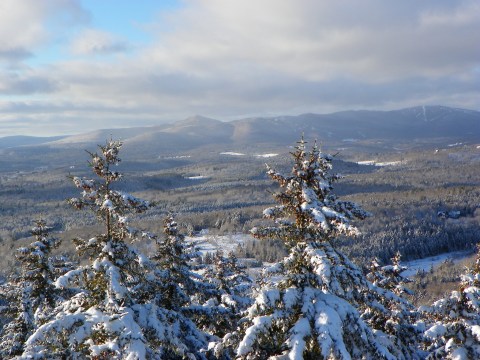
[31, 296]
[308, 305]
[453, 323]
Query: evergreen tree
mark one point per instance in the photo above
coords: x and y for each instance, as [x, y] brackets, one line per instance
[179, 283]
[232, 289]
[31, 296]
[102, 318]
[399, 321]
[308, 305]
[453, 323]
[172, 286]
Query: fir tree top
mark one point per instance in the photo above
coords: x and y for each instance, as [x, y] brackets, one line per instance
[308, 210]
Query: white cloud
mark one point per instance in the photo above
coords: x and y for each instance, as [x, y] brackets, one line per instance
[24, 24]
[229, 58]
[96, 42]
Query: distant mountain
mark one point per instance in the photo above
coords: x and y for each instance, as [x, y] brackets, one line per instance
[418, 123]
[16, 141]
[374, 130]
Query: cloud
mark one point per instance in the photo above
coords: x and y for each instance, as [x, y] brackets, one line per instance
[96, 42]
[317, 40]
[25, 84]
[24, 25]
[14, 54]
[229, 58]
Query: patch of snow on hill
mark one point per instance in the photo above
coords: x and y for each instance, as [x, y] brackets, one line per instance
[266, 155]
[198, 177]
[232, 153]
[211, 243]
[426, 264]
[374, 163]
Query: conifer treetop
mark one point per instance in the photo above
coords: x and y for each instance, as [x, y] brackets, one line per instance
[111, 207]
[308, 210]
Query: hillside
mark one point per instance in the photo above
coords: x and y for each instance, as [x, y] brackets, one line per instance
[347, 131]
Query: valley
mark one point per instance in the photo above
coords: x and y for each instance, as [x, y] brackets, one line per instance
[219, 183]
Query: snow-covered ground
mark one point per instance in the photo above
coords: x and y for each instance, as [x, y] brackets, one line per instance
[375, 163]
[433, 261]
[211, 243]
[207, 243]
[197, 177]
[266, 155]
[231, 153]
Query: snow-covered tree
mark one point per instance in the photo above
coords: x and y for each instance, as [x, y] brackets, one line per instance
[231, 280]
[102, 318]
[30, 296]
[310, 304]
[399, 321]
[453, 330]
[390, 276]
[232, 290]
[178, 282]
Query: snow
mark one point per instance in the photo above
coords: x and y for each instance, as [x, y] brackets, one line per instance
[380, 164]
[476, 331]
[260, 324]
[266, 155]
[426, 264]
[231, 153]
[211, 243]
[197, 177]
[436, 331]
[366, 162]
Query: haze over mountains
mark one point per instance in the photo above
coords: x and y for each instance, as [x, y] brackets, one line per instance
[419, 126]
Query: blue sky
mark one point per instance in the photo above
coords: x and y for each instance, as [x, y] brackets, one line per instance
[71, 66]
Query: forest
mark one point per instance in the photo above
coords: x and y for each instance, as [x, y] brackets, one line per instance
[103, 295]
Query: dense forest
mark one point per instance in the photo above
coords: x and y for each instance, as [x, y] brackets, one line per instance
[102, 296]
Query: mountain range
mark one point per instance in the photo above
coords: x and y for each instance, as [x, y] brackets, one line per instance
[417, 126]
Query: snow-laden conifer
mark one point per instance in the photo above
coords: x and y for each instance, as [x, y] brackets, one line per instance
[453, 323]
[232, 290]
[398, 323]
[172, 287]
[102, 318]
[311, 303]
[30, 296]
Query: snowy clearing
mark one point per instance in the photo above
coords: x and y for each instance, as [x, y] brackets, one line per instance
[426, 264]
[197, 177]
[375, 163]
[212, 243]
[230, 153]
[266, 155]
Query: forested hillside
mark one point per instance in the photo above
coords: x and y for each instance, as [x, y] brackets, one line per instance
[108, 298]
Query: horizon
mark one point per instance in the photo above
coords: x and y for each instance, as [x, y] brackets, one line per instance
[230, 120]
[72, 66]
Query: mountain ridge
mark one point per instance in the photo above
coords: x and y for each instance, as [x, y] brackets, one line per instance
[421, 124]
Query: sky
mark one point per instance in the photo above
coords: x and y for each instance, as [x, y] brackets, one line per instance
[73, 66]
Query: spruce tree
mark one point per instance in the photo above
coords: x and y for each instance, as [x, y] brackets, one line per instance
[398, 323]
[232, 290]
[453, 323]
[101, 319]
[30, 296]
[309, 305]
